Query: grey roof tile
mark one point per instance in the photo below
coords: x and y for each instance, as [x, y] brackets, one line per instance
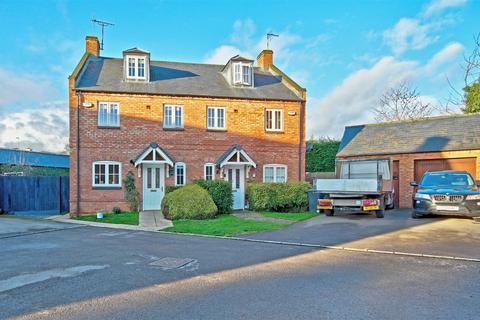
[176, 78]
[459, 132]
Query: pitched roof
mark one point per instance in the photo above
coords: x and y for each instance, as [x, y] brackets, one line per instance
[227, 152]
[36, 159]
[447, 133]
[175, 78]
[136, 50]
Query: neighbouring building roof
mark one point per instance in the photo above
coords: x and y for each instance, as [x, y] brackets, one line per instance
[36, 159]
[446, 133]
[103, 74]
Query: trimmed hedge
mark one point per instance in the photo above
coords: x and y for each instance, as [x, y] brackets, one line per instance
[221, 193]
[188, 202]
[322, 156]
[282, 197]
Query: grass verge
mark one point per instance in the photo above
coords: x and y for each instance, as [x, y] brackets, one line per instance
[223, 225]
[289, 216]
[119, 218]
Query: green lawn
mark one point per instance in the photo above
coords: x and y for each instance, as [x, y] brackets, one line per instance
[289, 216]
[120, 218]
[223, 225]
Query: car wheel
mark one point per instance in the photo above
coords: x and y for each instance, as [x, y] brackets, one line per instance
[416, 215]
[329, 212]
[380, 213]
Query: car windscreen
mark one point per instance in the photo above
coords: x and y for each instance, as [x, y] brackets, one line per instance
[453, 180]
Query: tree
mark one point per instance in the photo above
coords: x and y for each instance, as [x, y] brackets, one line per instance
[402, 103]
[321, 157]
[471, 90]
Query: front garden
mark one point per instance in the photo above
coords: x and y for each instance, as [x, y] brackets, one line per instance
[130, 217]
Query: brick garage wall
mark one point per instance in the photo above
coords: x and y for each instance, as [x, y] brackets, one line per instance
[141, 123]
[407, 168]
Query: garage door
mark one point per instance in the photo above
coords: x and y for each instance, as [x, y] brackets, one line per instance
[465, 164]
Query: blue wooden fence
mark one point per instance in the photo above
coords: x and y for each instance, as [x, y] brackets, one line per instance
[34, 195]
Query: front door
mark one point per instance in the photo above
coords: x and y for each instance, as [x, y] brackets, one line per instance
[153, 186]
[236, 176]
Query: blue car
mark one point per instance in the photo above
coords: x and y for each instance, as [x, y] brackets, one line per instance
[446, 193]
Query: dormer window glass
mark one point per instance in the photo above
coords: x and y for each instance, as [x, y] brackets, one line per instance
[242, 73]
[136, 68]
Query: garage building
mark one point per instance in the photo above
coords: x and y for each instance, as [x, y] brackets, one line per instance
[417, 146]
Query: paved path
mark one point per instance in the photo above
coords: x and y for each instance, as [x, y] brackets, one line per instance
[153, 219]
[251, 215]
[97, 273]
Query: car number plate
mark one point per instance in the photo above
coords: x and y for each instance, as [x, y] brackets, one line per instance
[370, 208]
[448, 208]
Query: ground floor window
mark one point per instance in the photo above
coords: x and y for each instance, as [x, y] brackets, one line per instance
[106, 174]
[209, 171]
[180, 174]
[274, 173]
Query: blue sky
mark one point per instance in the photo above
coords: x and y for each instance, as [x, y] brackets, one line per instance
[346, 53]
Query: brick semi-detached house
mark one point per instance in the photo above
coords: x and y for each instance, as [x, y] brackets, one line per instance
[417, 146]
[170, 123]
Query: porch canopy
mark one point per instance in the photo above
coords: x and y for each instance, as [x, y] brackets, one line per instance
[153, 154]
[235, 155]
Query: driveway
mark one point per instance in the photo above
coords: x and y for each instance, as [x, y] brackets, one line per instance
[458, 237]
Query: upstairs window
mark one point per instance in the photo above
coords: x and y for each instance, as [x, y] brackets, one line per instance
[242, 73]
[209, 171]
[108, 114]
[180, 174]
[273, 120]
[106, 174]
[136, 68]
[172, 116]
[275, 173]
[216, 118]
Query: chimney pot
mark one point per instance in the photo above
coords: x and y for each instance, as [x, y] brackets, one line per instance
[92, 45]
[265, 59]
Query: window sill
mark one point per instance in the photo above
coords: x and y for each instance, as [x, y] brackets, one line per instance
[275, 131]
[174, 129]
[216, 130]
[106, 187]
[108, 127]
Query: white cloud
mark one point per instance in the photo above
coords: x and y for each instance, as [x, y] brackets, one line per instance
[409, 34]
[438, 6]
[447, 54]
[222, 54]
[42, 129]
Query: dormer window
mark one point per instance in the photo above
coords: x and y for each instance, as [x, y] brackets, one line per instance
[136, 65]
[242, 73]
[136, 68]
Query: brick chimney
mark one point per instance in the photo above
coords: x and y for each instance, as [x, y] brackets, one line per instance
[92, 45]
[265, 59]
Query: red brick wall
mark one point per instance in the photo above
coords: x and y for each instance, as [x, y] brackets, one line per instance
[407, 167]
[142, 123]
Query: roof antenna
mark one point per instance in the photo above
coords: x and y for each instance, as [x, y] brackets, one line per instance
[270, 35]
[103, 24]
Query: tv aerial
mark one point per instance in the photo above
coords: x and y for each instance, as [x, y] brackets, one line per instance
[270, 35]
[102, 24]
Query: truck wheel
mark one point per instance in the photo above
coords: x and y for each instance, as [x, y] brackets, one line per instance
[390, 206]
[380, 213]
[328, 212]
[416, 215]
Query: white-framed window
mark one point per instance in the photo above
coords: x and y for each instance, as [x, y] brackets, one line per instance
[209, 171]
[274, 173]
[106, 174]
[180, 174]
[242, 73]
[216, 118]
[273, 120]
[172, 116]
[136, 67]
[108, 114]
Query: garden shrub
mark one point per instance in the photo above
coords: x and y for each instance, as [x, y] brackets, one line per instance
[132, 196]
[322, 156]
[116, 210]
[188, 202]
[282, 197]
[221, 193]
[169, 189]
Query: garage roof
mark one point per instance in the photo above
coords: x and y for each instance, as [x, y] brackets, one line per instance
[446, 133]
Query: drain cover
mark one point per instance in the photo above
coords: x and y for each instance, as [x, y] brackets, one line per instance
[171, 263]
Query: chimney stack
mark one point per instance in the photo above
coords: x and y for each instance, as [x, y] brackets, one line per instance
[265, 59]
[92, 45]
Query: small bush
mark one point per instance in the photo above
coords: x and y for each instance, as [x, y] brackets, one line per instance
[132, 196]
[282, 197]
[116, 210]
[188, 202]
[169, 189]
[221, 193]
